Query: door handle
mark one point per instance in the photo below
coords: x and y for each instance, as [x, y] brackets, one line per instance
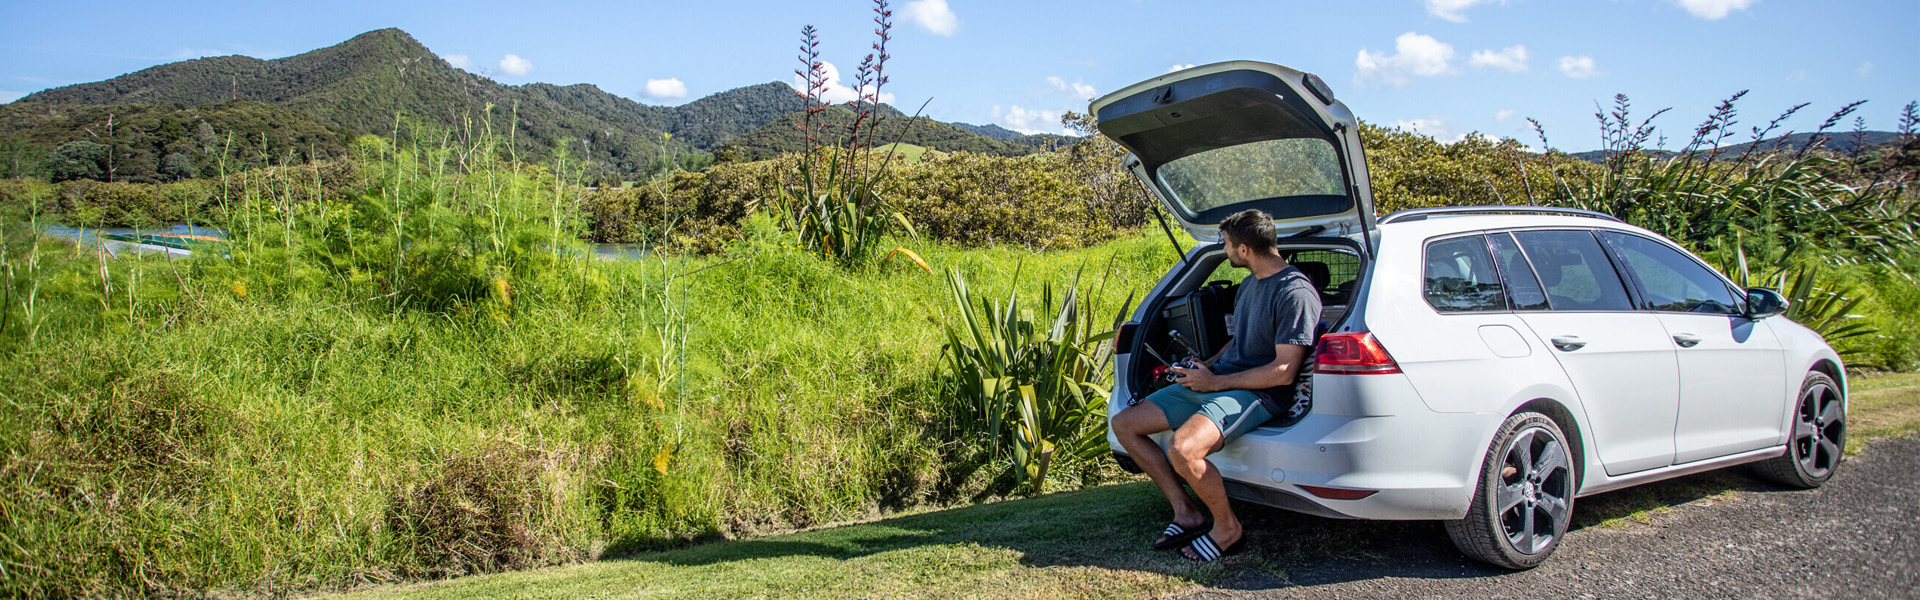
[1686, 340]
[1569, 343]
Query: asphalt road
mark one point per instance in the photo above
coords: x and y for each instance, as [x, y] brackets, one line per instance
[1722, 535]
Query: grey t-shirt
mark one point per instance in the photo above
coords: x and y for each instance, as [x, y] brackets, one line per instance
[1284, 308]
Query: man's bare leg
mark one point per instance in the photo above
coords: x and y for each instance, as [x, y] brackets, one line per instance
[1188, 454]
[1132, 426]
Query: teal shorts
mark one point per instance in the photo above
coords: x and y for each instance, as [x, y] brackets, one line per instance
[1233, 412]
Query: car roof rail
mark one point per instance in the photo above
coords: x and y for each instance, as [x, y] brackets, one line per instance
[1422, 214]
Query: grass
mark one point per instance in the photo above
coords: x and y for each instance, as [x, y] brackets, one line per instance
[1080, 544]
[223, 438]
[909, 153]
[1884, 405]
[1074, 545]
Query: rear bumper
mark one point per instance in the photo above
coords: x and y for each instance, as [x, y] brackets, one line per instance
[1366, 432]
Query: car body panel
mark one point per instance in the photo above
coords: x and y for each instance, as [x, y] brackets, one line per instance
[1724, 408]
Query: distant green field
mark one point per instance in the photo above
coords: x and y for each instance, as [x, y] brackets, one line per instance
[907, 152]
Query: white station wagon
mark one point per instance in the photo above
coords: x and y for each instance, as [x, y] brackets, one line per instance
[1482, 366]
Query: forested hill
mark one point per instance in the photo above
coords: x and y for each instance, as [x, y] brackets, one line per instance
[1844, 142]
[785, 135]
[361, 84]
[1038, 140]
[148, 143]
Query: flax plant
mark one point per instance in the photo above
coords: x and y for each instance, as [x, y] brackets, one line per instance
[840, 212]
[1769, 195]
[1030, 392]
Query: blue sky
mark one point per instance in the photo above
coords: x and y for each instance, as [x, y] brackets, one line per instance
[1446, 67]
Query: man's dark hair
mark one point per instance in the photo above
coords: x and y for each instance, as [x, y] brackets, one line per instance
[1252, 228]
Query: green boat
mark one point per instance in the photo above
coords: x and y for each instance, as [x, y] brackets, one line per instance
[169, 240]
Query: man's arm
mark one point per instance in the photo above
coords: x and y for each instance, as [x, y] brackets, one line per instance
[1287, 360]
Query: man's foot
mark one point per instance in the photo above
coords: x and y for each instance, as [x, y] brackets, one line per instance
[1190, 523]
[1211, 547]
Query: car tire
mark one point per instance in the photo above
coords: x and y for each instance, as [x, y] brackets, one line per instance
[1818, 438]
[1523, 501]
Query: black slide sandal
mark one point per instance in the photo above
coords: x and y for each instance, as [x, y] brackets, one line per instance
[1178, 536]
[1206, 551]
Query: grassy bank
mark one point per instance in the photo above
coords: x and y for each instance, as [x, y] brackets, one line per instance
[215, 435]
[1083, 544]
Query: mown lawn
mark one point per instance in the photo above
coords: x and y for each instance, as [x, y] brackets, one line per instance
[1084, 544]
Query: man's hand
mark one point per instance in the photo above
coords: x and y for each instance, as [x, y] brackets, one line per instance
[1199, 379]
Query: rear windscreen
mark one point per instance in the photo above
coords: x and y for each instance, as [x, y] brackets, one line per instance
[1254, 171]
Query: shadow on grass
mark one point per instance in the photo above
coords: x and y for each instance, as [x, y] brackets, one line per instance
[1111, 527]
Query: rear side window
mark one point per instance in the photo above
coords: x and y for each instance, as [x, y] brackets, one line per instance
[1670, 280]
[1523, 288]
[1574, 271]
[1460, 276]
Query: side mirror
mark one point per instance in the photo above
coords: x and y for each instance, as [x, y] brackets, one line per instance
[1764, 302]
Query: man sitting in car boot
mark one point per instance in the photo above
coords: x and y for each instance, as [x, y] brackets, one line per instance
[1261, 373]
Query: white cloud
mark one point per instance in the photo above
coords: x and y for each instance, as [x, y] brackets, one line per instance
[1578, 67]
[1177, 68]
[1078, 88]
[1027, 121]
[516, 66]
[1713, 9]
[1450, 9]
[7, 96]
[1503, 115]
[838, 92]
[1796, 77]
[459, 61]
[1414, 55]
[1864, 69]
[932, 15]
[666, 88]
[1512, 59]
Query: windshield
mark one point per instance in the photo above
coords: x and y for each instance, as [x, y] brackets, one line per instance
[1255, 171]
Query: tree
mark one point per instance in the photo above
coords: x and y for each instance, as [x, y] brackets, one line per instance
[18, 158]
[177, 166]
[77, 160]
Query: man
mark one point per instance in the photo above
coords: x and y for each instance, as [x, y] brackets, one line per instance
[1260, 373]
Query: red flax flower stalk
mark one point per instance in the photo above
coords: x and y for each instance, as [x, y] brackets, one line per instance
[883, 20]
[814, 74]
[868, 79]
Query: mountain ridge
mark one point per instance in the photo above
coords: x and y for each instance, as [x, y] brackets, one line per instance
[361, 84]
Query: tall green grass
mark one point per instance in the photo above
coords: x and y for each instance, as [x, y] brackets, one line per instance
[363, 393]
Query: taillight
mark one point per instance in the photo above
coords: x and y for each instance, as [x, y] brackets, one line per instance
[1353, 353]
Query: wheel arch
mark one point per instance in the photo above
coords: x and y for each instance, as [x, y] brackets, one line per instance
[1833, 369]
[1570, 426]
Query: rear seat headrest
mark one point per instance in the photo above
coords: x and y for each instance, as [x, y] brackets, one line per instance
[1316, 272]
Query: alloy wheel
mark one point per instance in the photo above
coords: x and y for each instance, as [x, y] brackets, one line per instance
[1819, 430]
[1536, 490]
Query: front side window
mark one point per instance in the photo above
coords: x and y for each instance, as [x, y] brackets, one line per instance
[1575, 272]
[1254, 171]
[1670, 280]
[1460, 277]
